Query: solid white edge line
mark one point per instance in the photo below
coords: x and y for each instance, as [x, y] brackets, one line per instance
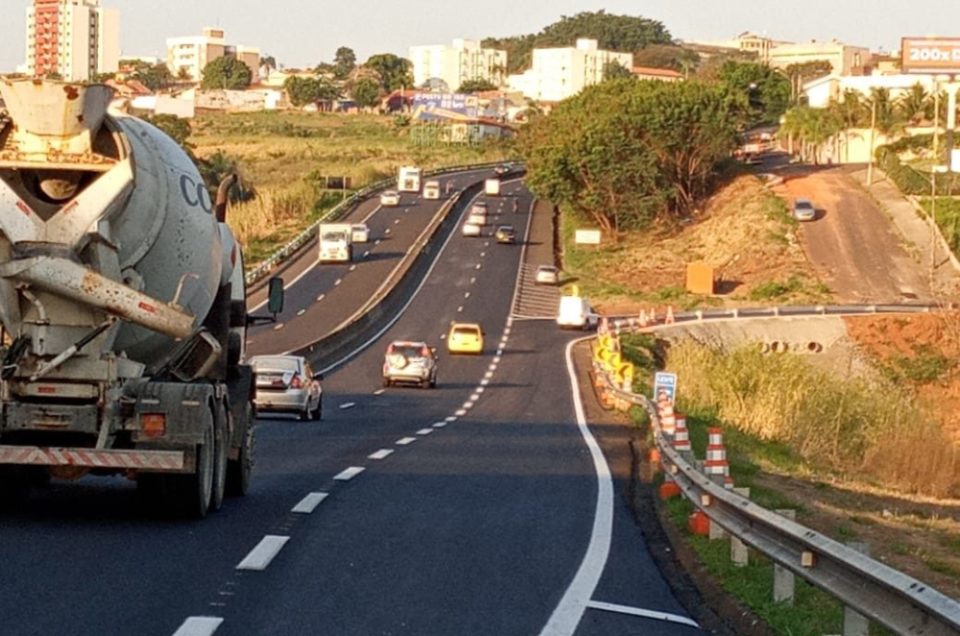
[348, 473]
[199, 626]
[309, 503]
[260, 557]
[633, 611]
[399, 314]
[568, 613]
[383, 453]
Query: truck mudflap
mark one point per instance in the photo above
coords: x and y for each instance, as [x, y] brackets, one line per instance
[154, 461]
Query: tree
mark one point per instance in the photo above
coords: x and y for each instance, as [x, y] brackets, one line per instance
[366, 92]
[477, 85]
[623, 153]
[310, 90]
[395, 72]
[227, 73]
[916, 106]
[100, 78]
[667, 56]
[851, 112]
[812, 127]
[154, 76]
[768, 92]
[614, 70]
[344, 61]
[800, 74]
[269, 61]
[613, 32]
[888, 118]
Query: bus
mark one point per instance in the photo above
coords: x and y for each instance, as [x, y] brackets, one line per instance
[409, 179]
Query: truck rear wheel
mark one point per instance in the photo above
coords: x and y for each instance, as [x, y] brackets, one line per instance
[239, 469]
[191, 495]
[222, 441]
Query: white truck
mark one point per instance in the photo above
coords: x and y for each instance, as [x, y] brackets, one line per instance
[408, 179]
[336, 242]
[123, 305]
[431, 190]
[491, 187]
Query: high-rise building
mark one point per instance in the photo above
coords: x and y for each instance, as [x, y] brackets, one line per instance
[188, 56]
[560, 73]
[445, 68]
[76, 39]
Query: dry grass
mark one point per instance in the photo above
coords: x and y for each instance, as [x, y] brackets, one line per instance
[870, 428]
[271, 210]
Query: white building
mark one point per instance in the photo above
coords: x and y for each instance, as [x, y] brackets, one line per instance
[844, 59]
[76, 39]
[188, 56]
[820, 92]
[557, 74]
[445, 68]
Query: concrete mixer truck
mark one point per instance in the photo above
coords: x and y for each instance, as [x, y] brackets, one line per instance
[122, 305]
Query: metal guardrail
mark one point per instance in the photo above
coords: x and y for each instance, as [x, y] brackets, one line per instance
[875, 590]
[339, 210]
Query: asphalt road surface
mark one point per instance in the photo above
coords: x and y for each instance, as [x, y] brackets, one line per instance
[479, 507]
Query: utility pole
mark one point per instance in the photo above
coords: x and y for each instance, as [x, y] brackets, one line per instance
[933, 181]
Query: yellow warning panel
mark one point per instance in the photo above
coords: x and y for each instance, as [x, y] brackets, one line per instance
[700, 278]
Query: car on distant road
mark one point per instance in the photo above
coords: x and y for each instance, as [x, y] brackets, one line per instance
[547, 275]
[287, 384]
[408, 362]
[465, 337]
[502, 169]
[803, 210]
[471, 229]
[360, 233]
[506, 234]
[390, 198]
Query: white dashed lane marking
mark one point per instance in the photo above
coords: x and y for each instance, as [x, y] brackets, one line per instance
[488, 375]
[278, 326]
[466, 295]
[366, 254]
[301, 312]
[424, 431]
[261, 556]
[353, 267]
[320, 297]
[439, 424]
[379, 392]
[199, 626]
[338, 281]
[406, 441]
[461, 412]
[349, 473]
[347, 405]
[450, 419]
[309, 503]
[460, 309]
[383, 453]
[484, 382]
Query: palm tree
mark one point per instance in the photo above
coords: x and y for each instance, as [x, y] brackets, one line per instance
[915, 106]
[887, 118]
[851, 113]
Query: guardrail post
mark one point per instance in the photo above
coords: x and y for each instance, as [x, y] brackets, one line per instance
[784, 581]
[738, 549]
[854, 623]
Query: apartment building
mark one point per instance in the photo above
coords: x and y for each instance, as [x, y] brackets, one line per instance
[559, 73]
[844, 58]
[75, 39]
[445, 68]
[187, 56]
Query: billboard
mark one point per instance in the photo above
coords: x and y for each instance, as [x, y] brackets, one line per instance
[445, 107]
[930, 55]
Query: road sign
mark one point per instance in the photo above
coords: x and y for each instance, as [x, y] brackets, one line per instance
[664, 387]
[930, 55]
[587, 237]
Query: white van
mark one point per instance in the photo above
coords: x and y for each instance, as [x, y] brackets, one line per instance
[431, 190]
[575, 312]
[360, 232]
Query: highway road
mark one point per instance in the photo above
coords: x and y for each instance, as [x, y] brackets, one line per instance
[481, 507]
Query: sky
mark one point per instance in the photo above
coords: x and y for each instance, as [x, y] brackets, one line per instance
[301, 33]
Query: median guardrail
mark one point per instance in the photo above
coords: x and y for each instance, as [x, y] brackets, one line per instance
[872, 589]
[340, 210]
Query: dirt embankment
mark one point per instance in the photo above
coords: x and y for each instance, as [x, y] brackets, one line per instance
[744, 232]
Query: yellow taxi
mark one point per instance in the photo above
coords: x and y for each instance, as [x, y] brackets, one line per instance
[465, 337]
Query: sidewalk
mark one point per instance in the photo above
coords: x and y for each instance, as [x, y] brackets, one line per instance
[923, 245]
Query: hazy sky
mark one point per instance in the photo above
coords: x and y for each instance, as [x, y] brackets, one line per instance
[305, 32]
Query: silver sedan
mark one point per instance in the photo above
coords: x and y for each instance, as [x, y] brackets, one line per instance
[287, 384]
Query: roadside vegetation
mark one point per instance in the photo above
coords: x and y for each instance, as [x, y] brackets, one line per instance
[858, 458]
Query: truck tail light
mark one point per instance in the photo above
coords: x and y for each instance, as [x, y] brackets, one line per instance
[153, 424]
